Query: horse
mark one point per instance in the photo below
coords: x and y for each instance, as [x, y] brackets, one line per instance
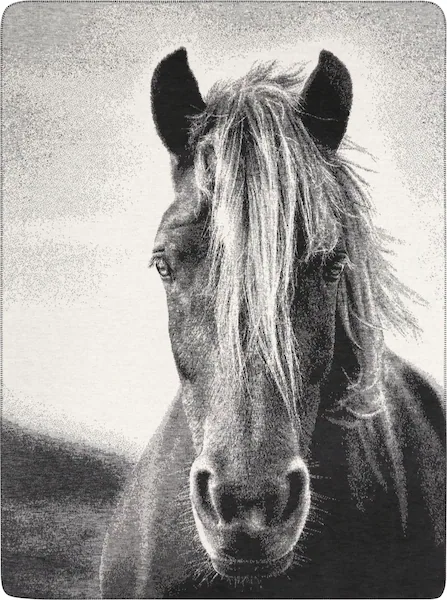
[301, 458]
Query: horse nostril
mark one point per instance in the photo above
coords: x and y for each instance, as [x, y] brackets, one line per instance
[201, 492]
[227, 507]
[202, 478]
[271, 505]
[297, 488]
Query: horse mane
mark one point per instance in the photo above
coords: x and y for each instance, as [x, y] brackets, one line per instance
[275, 198]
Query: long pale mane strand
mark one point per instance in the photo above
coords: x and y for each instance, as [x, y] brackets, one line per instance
[262, 175]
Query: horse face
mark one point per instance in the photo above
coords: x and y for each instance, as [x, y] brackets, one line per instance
[249, 483]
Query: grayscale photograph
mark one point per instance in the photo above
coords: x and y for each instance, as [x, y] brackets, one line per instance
[223, 300]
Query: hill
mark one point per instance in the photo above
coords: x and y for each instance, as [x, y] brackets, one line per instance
[57, 500]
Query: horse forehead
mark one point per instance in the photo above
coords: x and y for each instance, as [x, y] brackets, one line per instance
[185, 208]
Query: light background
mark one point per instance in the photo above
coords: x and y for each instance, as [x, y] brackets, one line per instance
[86, 349]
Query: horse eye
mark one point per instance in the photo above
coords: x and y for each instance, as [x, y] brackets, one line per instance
[334, 266]
[163, 268]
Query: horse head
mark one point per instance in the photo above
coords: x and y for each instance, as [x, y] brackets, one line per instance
[251, 254]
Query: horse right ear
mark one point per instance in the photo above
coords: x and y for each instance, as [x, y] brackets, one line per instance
[326, 101]
[175, 99]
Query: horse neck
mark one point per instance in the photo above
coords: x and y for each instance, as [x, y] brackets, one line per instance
[357, 462]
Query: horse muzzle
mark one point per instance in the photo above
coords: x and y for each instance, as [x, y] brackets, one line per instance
[250, 525]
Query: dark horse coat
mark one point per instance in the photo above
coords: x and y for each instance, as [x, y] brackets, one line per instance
[300, 458]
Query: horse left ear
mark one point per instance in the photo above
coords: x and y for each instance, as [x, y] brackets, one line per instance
[326, 101]
[175, 99]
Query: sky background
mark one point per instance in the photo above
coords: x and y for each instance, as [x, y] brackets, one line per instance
[86, 180]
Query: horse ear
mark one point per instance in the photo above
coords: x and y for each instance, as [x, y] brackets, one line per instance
[175, 99]
[326, 101]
